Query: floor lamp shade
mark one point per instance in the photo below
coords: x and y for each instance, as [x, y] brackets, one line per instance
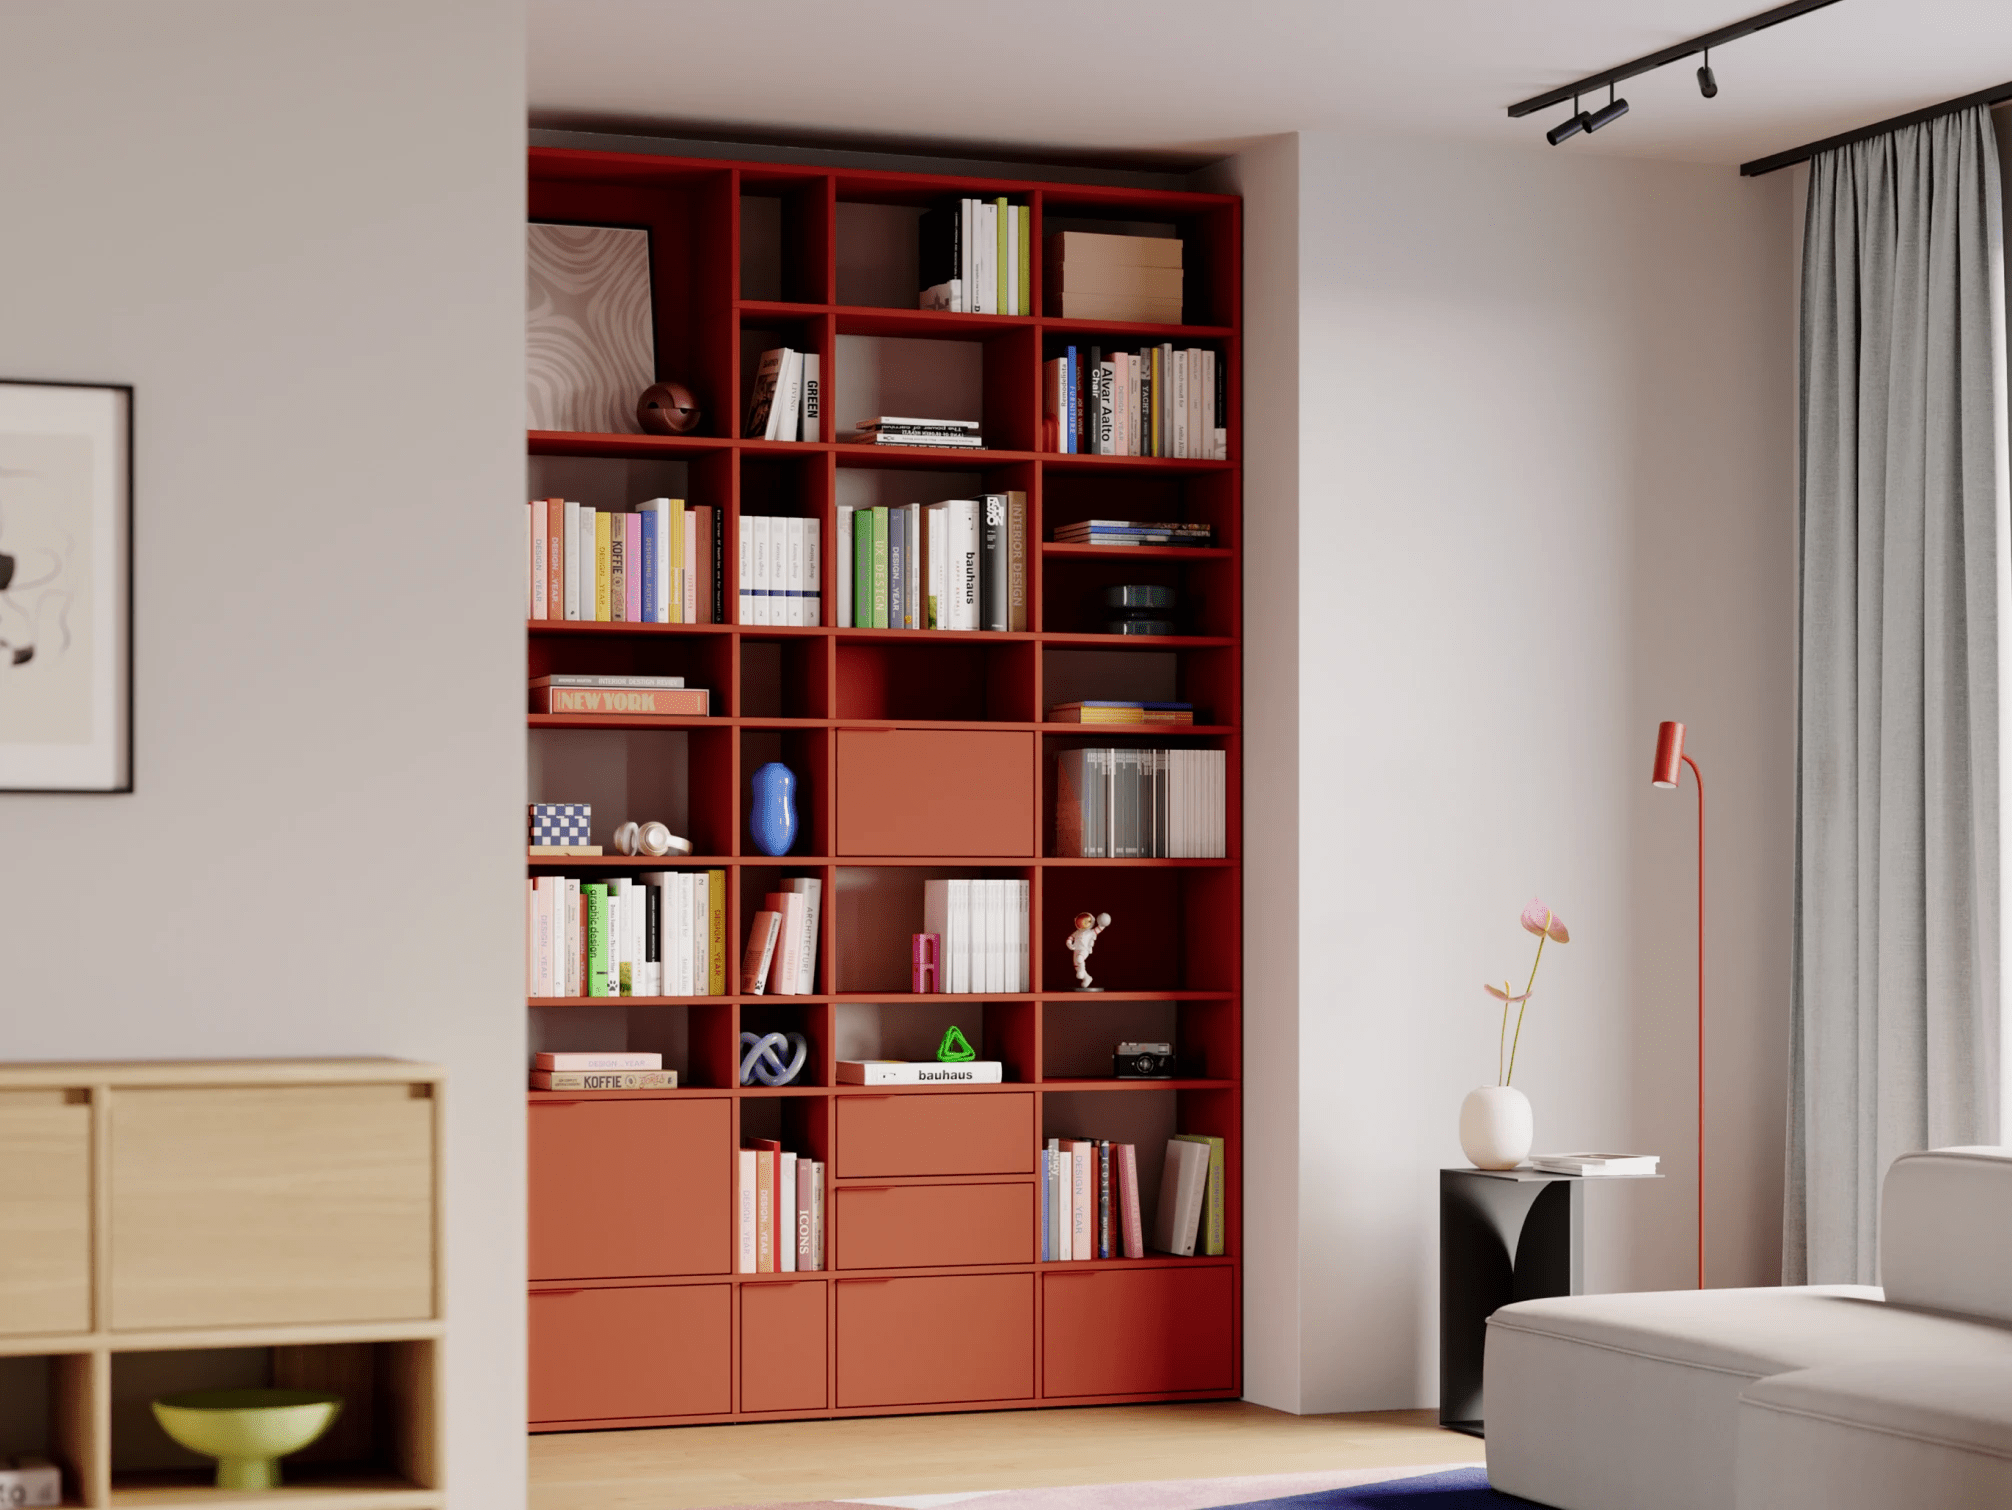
[1669, 753]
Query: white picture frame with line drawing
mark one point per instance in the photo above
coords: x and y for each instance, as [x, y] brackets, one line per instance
[66, 603]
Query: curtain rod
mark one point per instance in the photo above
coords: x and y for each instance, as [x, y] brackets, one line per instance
[1997, 94]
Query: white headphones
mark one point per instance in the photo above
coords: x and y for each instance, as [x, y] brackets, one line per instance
[650, 838]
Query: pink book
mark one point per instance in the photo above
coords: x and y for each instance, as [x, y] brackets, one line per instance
[604, 1062]
[760, 952]
[538, 573]
[1128, 1200]
[805, 1258]
[632, 576]
[691, 569]
[788, 905]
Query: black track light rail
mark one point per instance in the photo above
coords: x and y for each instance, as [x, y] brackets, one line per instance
[1997, 94]
[1668, 55]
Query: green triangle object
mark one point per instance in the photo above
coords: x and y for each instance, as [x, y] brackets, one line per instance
[955, 1048]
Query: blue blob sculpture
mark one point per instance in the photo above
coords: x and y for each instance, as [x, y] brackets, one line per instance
[772, 810]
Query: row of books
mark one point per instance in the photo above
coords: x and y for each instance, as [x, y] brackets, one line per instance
[1156, 401]
[1090, 1199]
[567, 692]
[1133, 532]
[1118, 712]
[781, 571]
[781, 954]
[1141, 804]
[615, 1070]
[658, 563]
[787, 401]
[778, 1210]
[661, 934]
[956, 565]
[974, 256]
[981, 932]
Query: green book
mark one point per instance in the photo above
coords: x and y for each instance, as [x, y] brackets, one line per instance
[1002, 262]
[594, 897]
[1025, 292]
[880, 566]
[862, 568]
[1212, 1219]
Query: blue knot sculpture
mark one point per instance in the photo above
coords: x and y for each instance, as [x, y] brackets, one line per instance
[761, 1057]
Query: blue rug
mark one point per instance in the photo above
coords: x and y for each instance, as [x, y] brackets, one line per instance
[1456, 1489]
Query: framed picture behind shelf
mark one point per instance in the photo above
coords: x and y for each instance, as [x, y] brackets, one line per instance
[66, 587]
[590, 346]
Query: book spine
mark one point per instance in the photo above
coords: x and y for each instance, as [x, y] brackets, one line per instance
[806, 1256]
[652, 583]
[842, 570]
[745, 555]
[1104, 1199]
[813, 398]
[684, 702]
[1083, 1226]
[596, 896]
[785, 1212]
[1128, 1185]
[817, 1207]
[700, 572]
[602, 604]
[604, 1080]
[992, 564]
[880, 566]
[564, 560]
[897, 569]
[534, 520]
[716, 933]
[1016, 561]
[746, 1196]
[760, 953]
[764, 1211]
[862, 569]
[632, 581]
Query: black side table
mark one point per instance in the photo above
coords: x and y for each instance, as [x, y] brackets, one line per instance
[1504, 1235]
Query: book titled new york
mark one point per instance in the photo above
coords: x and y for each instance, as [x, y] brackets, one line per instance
[604, 1080]
[919, 1072]
[662, 702]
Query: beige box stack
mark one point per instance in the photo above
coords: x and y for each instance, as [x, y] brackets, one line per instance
[1136, 279]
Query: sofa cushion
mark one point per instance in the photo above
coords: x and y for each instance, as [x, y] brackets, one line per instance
[1945, 1228]
[1868, 1436]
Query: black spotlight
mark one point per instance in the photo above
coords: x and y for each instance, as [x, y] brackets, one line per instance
[1607, 114]
[1570, 126]
[1708, 82]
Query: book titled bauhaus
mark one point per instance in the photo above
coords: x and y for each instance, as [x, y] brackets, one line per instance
[919, 1072]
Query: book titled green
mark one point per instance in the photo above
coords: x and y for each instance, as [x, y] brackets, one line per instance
[862, 569]
[880, 566]
[1212, 1221]
[594, 897]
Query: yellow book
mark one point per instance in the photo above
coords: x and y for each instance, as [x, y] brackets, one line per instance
[716, 885]
[603, 604]
[1004, 261]
[673, 520]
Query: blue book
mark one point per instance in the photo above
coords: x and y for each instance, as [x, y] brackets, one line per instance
[650, 521]
[1069, 405]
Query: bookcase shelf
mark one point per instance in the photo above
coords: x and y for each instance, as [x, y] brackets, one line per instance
[748, 256]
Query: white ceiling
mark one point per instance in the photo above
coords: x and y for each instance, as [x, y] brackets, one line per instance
[1185, 80]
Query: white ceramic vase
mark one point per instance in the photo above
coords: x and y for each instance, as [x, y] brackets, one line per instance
[1496, 1128]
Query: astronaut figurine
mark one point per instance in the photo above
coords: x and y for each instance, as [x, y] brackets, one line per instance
[1082, 941]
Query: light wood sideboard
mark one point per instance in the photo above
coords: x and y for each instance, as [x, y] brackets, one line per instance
[196, 1225]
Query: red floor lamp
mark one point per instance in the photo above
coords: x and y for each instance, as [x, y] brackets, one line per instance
[1669, 756]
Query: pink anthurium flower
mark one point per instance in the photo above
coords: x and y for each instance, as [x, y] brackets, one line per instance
[1541, 920]
[1549, 928]
[1503, 995]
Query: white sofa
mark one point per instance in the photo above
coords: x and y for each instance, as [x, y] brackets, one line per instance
[1831, 1396]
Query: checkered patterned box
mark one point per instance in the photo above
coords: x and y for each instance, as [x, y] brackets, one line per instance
[561, 822]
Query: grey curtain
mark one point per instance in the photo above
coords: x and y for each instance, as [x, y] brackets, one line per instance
[1896, 999]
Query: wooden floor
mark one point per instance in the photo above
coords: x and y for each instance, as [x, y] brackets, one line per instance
[810, 1460]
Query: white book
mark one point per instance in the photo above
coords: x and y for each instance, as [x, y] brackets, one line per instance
[569, 939]
[744, 1209]
[1183, 1185]
[1022, 938]
[1121, 385]
[967, 281]
[986, 256]
[744, 551]
[784, 413]
[813, 399]
[1597, 1164]
[785, 1213]
[919, 1072]
[758, 592]
[932, 564]
[963, 563]
[1208, 404]
[813, 573]
[688, 595]
[702, 935]
[812, 891]
[1083, 1218]
[569, 563]
[1197, 426]
[995, 935]
[1180, 403]
[794, 604]
[584, 522]
[534, 938]
[677, 900]
[844, 572]
[957, 940]
[1009, 278]
[1063, 1213]
[534, 553]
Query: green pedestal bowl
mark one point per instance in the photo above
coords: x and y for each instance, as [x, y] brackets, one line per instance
[247, 1430]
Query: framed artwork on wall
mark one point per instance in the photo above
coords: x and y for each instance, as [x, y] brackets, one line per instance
[590, 342]
[66, 587]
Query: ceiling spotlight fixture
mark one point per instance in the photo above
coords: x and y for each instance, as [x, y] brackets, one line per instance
[1708, 82]
[1608, 113]
[1569, 127]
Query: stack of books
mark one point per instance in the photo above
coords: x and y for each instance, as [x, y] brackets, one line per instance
[648, 696]
[781, 954]
[1156, 401]
[956, 565]
[786, 402]
[615, 1070]
[662, 935]
[781, 571]
[1141, 805]
[1135, 279]
[975, 256]
[779, 1210]
[888, 430]
[981, 928]
[1090, 1201]
[1189, 1218]
[1133, 532]
[1121, 713]
[658, 563]
[1594, 1165]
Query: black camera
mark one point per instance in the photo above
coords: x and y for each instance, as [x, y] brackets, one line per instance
[1143, 1061]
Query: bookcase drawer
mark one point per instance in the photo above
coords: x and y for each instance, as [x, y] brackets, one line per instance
[935, 792]
[954, 1133]
[935, 1340]
[623, 1189]
[1136, 1331]
[783, 1353]
[661, 1350]
[45, 1189]
[920, 1226]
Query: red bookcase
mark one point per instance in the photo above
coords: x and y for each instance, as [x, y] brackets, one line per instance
[919, 755]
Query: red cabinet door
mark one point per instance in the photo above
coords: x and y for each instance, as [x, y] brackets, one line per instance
[935, 1340]
[783, 1351]
[1136, 1331]
[924, 1226]
[605, 1355]
[935, 792]
[623, 1189]
[956, 1132]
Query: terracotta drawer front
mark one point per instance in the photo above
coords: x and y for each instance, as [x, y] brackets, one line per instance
[1138, 1331]
[921, 1226]
[783, 1352]
[935, 792]
[628, 1189]
[953, 1133]
[935, 1340]
[600, 1355]
[45, 1189]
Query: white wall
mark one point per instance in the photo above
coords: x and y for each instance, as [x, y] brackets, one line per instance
[1544, 499]
[295, 228]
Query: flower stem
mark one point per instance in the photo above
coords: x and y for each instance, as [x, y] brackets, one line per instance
[1502, 1037]
[1542, 939]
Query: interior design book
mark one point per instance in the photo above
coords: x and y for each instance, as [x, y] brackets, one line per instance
[659, 934]
[655, 563]
[589, 341]
[1115, 804]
